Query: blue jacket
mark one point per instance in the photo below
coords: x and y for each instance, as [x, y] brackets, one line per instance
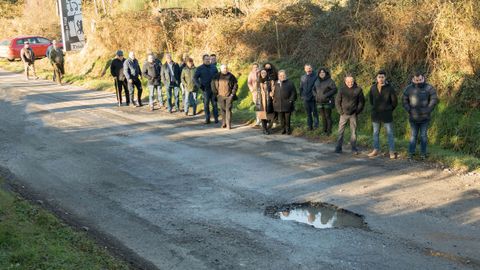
[307, 83]
[131, 69]
[203, 77]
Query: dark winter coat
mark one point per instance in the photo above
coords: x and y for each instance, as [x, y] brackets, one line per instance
[167, 78]
[187, 79]
[224, 85]
[284, 96]
[203, 77]
[419, 101]
[152, 71]
[131, 69]
[306, 86]
[116, 69]
[56, 56]
[383, 103]
[325, 90]
[350, 101]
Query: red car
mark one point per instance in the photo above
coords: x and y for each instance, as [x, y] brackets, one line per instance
[10, 48]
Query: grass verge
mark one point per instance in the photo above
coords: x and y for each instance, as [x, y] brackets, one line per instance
[244, 112]
[32, 238]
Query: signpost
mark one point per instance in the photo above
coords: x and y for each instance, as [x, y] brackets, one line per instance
[72, 26]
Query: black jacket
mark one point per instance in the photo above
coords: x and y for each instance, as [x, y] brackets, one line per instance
[152, 71]
[383, 103]
[325, 90]
[419, 101]
[167, 79]
[350, 101]
[284, 96]
[224, 85]
[306, 86]
[116, 69]
[131, 69]
[203, 77]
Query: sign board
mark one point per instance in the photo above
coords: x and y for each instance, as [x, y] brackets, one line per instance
[72, 26]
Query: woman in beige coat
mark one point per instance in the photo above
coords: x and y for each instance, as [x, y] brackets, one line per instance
[264, 102]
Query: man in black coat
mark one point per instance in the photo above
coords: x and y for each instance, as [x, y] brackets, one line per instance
[307, 82]
[151, 71]
[349, 102]
[171, 73]
[133, 73]
[203, 80]
[383, 100]
[419, 100]
[116, 70]
[224, 87]
[284, 97]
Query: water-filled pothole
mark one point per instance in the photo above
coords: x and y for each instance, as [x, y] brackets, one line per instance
[318, 215]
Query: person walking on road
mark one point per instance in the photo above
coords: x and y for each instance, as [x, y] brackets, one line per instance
[284, 97]
[171, 73]
[133, 73]
[116, 70]
[152, 71]
[264, 101]
[324, 91]
[419, 100]
[224, 86]
[189, 87]
[350, 102]
[28, 58]
[383, 100]
[57, 60]
[307, 82]
[203, 80]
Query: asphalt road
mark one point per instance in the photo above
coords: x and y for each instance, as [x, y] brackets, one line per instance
[182, 195]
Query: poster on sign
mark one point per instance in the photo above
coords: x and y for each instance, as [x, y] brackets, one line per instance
[72, 25]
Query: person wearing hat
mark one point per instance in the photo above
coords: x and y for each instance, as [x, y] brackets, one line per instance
[116, 69]
[28, 59]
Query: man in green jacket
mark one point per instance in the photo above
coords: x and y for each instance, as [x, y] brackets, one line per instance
[188, 86]
[58, 62]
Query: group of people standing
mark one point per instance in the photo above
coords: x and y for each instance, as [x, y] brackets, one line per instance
[274, 97]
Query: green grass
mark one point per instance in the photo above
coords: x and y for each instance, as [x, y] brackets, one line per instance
[32, 238]
[446, 137]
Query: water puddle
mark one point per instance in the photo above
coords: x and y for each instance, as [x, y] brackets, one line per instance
[318, 215]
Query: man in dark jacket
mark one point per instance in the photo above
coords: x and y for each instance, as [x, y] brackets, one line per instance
[284, 97]
[28, 59]
[349, 102]
[47, 54]
[116, 70]
[383, 100]
[224, 87]
[132, 72]
[171, 73]
[307, 82]
[324, 91]
[58, 62]
[151, 71]
[203, 79]
[419, 100]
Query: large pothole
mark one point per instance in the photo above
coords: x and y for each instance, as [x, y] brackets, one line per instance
[318, 215]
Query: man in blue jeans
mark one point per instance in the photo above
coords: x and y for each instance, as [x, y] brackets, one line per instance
[171, 79]
[383, 100]
[419, 100]
[203, 80]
